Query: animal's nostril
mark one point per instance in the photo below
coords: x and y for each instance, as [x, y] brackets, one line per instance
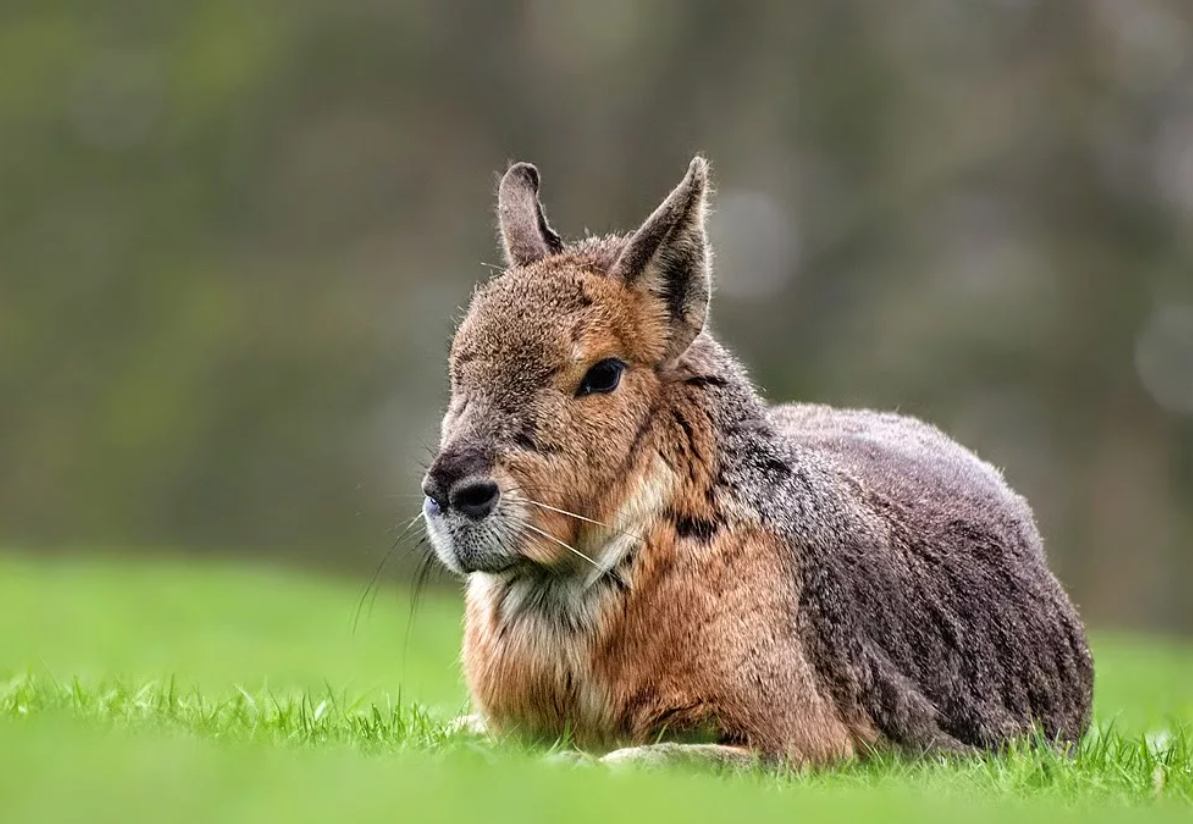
[475, 498]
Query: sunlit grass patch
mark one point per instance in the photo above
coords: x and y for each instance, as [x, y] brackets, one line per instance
[246, 694]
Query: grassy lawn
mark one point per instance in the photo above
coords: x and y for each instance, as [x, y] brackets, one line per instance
[178, 692]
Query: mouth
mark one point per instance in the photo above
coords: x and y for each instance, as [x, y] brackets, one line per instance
[505, 541]
[464, 545]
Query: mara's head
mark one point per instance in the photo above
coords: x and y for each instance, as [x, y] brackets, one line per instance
[557, 370]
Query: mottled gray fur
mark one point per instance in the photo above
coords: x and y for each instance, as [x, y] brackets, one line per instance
[926, 600]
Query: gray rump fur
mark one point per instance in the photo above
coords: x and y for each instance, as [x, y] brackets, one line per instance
[926, 604]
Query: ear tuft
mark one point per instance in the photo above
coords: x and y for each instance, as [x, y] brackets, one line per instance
[526, 235]
[668, 257]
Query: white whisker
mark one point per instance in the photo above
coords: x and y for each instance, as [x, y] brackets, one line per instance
[566, 546]
[579, 517]
[565, 512]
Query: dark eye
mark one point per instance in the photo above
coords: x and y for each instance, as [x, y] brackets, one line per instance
[602, 377]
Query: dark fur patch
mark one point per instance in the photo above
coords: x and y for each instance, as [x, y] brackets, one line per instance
[703, 381]
[674, 287]
[525, 440]
[683, 424]
[700, 529]
[639, 437]
[617, 581]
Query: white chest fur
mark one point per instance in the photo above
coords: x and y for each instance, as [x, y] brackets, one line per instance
[534, 654]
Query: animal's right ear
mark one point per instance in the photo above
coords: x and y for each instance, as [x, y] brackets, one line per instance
[668, 257]
[525, 234]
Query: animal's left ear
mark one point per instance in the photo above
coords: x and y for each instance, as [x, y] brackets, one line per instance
[526, 236]
[668, 257]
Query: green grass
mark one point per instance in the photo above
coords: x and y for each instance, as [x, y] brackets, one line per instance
[182, 692]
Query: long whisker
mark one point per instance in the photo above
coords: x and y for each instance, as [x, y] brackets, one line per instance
[423, 572]
[568, 547]
[418, 541]
[565, 512]
[575, 515]
[377, 572]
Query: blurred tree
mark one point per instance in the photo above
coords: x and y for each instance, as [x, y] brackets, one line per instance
[233, 239]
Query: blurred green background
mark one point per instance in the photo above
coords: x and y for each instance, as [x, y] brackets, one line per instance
[234, 238]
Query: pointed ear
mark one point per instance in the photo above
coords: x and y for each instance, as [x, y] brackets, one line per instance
[668, 257]
[525, 234]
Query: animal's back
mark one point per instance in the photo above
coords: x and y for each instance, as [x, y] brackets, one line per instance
[943, 620]
[898, 453]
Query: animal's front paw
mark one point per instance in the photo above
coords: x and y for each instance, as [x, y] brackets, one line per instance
[700, 756]
[468, 725]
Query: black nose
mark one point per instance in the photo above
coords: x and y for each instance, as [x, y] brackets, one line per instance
[474, 498]
[460, 482]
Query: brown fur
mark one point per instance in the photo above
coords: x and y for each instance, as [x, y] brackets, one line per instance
[664, 560]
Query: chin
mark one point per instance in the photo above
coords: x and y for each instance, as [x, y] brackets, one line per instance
[465, 548]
